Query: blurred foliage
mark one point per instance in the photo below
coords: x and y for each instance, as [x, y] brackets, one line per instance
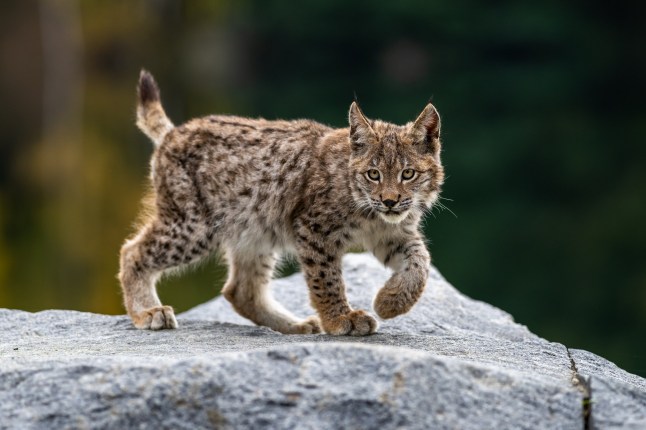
[543, 123]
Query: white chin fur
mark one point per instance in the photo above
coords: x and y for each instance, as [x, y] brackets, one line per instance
[393, 218]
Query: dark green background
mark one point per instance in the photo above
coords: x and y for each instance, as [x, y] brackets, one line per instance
[544, 117]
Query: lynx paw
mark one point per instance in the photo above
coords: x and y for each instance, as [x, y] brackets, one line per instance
[389, 303]
[355, 323]
[310, 325]
[156, 318]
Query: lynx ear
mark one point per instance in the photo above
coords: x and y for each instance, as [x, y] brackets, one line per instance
[425, 131]
[361, 134]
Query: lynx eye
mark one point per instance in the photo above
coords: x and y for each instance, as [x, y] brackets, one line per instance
[373, 174]
[408, 174]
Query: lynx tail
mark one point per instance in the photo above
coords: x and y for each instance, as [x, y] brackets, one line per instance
[151, 118]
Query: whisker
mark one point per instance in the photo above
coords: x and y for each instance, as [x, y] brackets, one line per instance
[444, 207]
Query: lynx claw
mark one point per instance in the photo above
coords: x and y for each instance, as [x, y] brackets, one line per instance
[157, 318]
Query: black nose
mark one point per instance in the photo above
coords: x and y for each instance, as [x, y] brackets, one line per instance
[389, 203]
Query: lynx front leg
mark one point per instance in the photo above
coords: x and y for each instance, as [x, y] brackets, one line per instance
[410, 260]
[327, 295]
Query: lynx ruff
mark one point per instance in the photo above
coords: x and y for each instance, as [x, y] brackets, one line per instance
[252, 188]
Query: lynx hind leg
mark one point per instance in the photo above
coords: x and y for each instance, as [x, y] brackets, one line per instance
[159, 247]
[248, 291]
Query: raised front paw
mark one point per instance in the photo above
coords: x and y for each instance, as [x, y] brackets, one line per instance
[157, 318]
[355, 323]
[397, 297]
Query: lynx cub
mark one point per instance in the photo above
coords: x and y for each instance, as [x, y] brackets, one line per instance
[253, 188]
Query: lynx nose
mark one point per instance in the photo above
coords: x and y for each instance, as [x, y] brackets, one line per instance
[389, 203]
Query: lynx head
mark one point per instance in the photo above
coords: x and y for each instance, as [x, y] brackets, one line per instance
[396, 169]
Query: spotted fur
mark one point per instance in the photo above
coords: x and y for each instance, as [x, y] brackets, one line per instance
[253, 189]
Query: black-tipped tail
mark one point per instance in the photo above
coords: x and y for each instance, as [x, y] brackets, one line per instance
[147, 89]
[151, 118]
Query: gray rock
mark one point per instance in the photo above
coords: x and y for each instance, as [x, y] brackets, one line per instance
[617, 398]
[451, 362]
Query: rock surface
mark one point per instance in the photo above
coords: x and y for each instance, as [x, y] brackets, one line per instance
[451, 362]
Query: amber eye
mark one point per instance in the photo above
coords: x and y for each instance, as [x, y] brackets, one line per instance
[408, 174]
[373, 174]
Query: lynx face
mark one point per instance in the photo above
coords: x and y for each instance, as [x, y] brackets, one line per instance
[396, 168]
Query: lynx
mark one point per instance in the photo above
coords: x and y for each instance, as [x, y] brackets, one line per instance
[253, 189]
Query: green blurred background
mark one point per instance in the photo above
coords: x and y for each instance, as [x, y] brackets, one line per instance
[544, 117]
